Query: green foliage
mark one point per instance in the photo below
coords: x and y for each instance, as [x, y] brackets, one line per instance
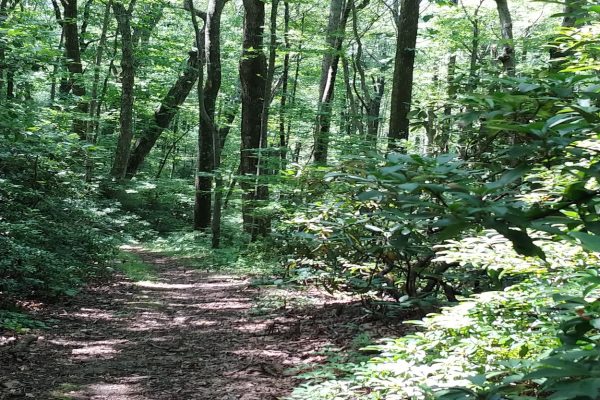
[18, 322]
[164, 205]
[134, 268]
[509, 221]
[52, 239]
[491, 342]
[236, 255]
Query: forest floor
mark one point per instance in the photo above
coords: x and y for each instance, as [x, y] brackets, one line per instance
[186, 334]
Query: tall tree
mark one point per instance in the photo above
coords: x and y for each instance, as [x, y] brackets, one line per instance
[339, 11]
[92, 124]
[207, 151]
[284, 84]
[253, 72]
[407, 25]
[507, 58]
[573, 12]
[75, 83]
[372, 93]
[123, 16]
[164, 114]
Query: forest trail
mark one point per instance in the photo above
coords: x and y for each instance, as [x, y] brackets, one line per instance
[185, 335]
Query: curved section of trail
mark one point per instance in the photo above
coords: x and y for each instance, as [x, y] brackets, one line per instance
[185, 335]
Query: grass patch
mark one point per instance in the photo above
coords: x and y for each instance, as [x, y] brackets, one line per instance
[236, 257]
[135, 269]
[19, 322]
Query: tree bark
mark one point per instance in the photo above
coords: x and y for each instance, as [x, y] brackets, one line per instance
[74, 66]
[295, 82]
[87, 8]
[119, 167]
[284, 86]
[92, 124]
[372, 95]
[402, 85]
[356, 120]
[150, 16]
[336, 27]
[3, 66]
[163, 116]
[208, 153]
[571, 10]
[253, 72]
[507, 58]
[451, 90]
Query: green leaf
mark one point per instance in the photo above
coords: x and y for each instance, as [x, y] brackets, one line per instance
[587, 241]
[508, 177]
[522, 243]
[371, 195]
[527, 87]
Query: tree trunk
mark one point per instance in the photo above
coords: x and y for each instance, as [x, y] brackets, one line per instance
[338, 17]
[253, 72]
[374, 109]
[571, 9]
[119, 167]
[3, 66]
[402, 86]
[447, 123]
[94, 105]
[163, 116]
[87, 8]
[295, 82]
[74, 66]
[208, 154]
[284, 86]
[507, 58]
[149, 18]
[356, 120]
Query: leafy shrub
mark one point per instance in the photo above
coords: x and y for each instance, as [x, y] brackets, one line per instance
[53, 234]
[491, 342]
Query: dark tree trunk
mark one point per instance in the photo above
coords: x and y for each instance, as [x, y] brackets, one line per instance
[87, 8]
[208, 41]
[150, 16]
[164, 115]
[207, 152]
[356, 120]
[402, 86]
[507, 58]
[119, 167]
[3, 66]
[10, 83]
[338, 17]
[92, 125]
[284, 85]
[447, 123]
[253, 72]
[374, 109]
[371, 96]
[572, 9]
[295, 82]
[200, 194]
[74, 66]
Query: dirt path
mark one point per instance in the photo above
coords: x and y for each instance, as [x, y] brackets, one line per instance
[187, 335]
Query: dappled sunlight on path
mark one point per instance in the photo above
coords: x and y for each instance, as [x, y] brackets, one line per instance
[184, 335]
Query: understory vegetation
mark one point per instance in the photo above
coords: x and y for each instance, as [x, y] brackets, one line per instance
[455, 174]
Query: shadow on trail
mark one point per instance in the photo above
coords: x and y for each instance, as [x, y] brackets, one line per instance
[186, 335]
